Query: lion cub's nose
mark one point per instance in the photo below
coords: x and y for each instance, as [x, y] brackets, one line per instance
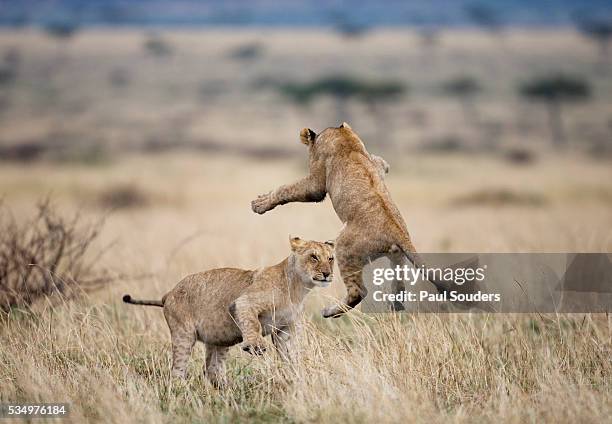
[326, 274]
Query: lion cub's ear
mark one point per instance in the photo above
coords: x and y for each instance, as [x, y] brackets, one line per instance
[345, 125]
[330, 243]
[295, 243]
[307, 136]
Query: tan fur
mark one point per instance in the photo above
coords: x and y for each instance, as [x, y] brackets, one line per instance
[225, 306]
[341, 166]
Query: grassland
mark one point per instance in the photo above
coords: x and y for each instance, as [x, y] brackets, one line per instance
[178, 161]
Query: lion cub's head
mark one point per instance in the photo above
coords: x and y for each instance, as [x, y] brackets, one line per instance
[331, 141]
[313, 260]
[329, 135]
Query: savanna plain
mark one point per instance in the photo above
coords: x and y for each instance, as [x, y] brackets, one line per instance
[168, 136]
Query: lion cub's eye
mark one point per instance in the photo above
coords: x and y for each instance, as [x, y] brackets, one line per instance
[314, 257]
[331, 259]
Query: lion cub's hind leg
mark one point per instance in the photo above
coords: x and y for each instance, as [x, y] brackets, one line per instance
[215, 364]
[351, 270]
[183, 338]
[397, 286]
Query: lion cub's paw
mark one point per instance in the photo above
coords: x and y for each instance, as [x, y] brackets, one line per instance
[397, 306]
[332, 312]
[254, 348]
[262, 204]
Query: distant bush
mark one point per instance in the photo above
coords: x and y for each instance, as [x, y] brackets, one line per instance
[12, 57]
[598, 29]
[61, 29]
[157, 46]
[446, 144]
[23, 152]
[119, 77]
[9, 68]
[485, 16]
[348, 26]
[464, 88]
[15, 19]
[554, 90]
[123, 196]
[343, 87]
[45, 256]
[500, 197]
[557, 87]
[429, 36]
[247, 52]
[7, 75]
[520, 156]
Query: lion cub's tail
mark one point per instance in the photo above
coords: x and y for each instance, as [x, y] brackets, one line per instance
[128, 299]
[417, 261]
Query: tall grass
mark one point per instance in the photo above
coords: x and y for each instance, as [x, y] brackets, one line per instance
[112, 362]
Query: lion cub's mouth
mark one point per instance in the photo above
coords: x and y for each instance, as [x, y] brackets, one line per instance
[324, 282]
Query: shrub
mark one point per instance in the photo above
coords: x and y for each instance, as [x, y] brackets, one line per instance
[343, 87]
[464, 88]
[554, 90]
[157, 46]
[520, 156]
[485, 16]
[598, 29]
[123, 196]
[45, 256]
[247, 52]
[61, 29]
[500, 197]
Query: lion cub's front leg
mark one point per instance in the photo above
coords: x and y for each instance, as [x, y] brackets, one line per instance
[263, 203]
[309, 189]
[247, 310]
[381, 165]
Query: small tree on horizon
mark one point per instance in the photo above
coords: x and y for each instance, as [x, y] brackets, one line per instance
[348, 26]
[485, 16]
[339, 87]
[465, 88]
[343, 88]
[598, 30]
[429, 35]
[376, 95]
[553, 91]
[156, 45]
[61, 29]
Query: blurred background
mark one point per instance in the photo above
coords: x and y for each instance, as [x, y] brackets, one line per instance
[495, 116]
[82, 80]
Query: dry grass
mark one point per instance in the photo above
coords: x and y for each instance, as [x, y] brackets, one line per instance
[111, 361]
[112, 364]
[500, 197]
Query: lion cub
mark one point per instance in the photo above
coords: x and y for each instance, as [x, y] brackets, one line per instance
[225, 306]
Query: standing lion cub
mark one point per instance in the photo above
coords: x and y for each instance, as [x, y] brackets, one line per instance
[225, 306]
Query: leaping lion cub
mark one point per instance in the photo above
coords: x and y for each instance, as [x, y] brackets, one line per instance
[341, 166]
[223, 307]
